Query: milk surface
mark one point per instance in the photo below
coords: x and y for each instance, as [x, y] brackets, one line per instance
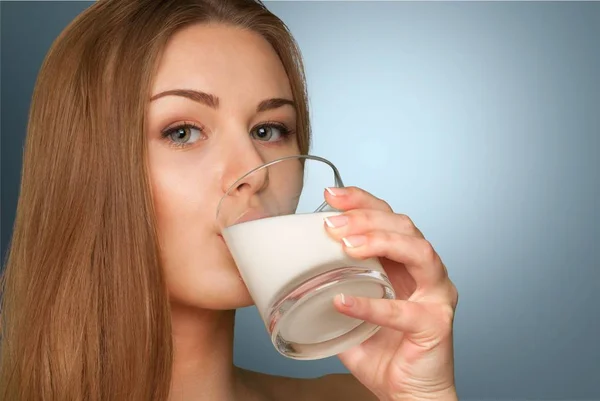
[277, 253]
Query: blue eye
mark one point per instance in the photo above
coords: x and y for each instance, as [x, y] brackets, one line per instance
[183, 135]
[270, 132]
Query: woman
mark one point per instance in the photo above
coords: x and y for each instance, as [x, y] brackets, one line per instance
[117, 286]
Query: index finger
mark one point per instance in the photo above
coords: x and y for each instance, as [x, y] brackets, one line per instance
[347, 198]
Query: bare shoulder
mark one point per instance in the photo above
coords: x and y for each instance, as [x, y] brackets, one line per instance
[333, 387]
[275, 388]
[342, 387]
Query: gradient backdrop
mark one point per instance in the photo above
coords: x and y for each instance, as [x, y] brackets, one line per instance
[481, 121]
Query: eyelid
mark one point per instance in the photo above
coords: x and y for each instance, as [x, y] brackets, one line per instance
[184, 123]
[286, 132]
[166, 133]
[279, 125]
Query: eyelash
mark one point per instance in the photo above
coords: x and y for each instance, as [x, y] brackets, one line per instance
[285, 131]
[165, 134]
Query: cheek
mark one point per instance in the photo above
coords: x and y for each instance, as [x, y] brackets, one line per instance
[296, 190]
[196, 263]
[182, 205]
[183, 226]
[173, 196]
[178, 182]
[288, 188]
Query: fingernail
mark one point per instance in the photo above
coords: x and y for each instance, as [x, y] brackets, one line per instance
[336, 221]
[354, 241]
[347, 300]
[336, 191]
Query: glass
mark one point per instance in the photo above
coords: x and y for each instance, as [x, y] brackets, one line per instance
[272, 220]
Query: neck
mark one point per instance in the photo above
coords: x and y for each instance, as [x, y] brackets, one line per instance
[203, 355]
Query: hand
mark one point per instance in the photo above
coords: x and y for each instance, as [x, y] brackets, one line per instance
[411, 356]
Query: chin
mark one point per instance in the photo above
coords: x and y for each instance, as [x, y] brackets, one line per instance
[214, 289]
[237, 296]
[208, 279]
[215, 301]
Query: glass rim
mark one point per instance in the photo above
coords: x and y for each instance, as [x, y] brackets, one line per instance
[337, 177]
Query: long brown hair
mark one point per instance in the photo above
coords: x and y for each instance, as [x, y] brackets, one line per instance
[85, 312]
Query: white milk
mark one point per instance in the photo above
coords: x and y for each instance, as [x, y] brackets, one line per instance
[278, 253]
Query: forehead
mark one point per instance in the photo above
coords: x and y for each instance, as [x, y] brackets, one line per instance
[230, 62]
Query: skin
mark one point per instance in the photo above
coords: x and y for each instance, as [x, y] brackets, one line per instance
[190, 170]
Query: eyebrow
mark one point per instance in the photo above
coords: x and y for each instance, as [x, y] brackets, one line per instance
[197, 96]
[274, 103]
[213, 101]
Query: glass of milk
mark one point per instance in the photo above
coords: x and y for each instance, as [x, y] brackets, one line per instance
[272, 220]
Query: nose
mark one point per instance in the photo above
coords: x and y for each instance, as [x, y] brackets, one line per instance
[251, 182]
[242, 174]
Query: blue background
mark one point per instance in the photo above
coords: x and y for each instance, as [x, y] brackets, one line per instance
[481, 121]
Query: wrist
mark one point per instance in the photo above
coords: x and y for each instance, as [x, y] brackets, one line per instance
[448, 394]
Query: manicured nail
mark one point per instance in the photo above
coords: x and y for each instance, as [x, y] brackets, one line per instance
[347, 300]
[336, 221]
[336, 191]
[354, 241]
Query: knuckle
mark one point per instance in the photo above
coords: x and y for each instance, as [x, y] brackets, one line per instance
[427, 251]
[385, 237]
[405, 219]
[393, 312]
[358, 218]
[385, 205]
[407, 224]
[394, 308]
[365, 306]
[354, 190]
[374, 238]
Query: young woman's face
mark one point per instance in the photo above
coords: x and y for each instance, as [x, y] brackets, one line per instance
[221, 105]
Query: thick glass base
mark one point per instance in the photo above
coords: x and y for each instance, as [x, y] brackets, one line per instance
[304, 323]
